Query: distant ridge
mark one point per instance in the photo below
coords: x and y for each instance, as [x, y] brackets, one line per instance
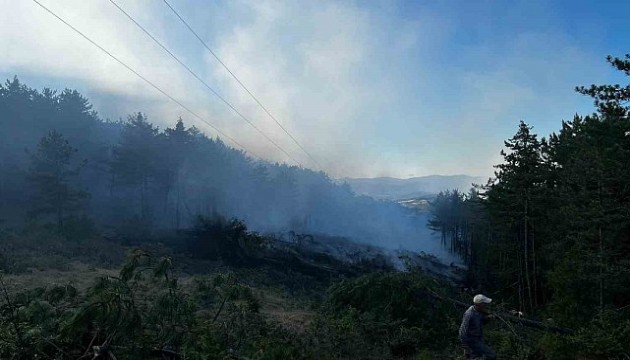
[388, 188]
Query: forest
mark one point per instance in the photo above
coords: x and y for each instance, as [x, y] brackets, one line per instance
[121, 240]
[60, 160]
[550, 232]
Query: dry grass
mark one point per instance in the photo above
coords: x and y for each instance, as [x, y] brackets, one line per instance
[78, 274]
[44, 260]
[291, 315]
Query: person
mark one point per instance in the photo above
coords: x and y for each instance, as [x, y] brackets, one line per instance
[471, 329]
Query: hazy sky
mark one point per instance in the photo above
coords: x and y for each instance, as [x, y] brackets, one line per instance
[370, 88]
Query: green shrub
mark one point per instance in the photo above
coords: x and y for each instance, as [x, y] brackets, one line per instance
[384, 315]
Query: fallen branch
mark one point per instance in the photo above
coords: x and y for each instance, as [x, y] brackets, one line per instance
[525, 322]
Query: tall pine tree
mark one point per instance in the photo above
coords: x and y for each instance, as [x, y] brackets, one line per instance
[51, 174]
[513, 201]
[134, 162]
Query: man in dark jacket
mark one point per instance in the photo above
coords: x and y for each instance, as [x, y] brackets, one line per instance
[471, 329]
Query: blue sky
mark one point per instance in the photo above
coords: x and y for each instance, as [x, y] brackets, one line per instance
[370, 88]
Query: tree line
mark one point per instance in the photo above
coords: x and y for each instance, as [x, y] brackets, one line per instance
[550, 232]
[61, 163]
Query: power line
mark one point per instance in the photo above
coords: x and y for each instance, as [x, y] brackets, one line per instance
[241, 84]
[204, 83]
[140, 76]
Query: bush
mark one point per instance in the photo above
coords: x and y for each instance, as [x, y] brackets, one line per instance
[77, 228]
[386, 315]
[217, 238]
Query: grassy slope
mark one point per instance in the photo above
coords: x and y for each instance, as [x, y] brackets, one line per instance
[41, 259]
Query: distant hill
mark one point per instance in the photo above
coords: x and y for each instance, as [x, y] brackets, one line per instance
[388, 188]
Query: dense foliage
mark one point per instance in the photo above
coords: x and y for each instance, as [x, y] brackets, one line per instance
[550, 233]
[145, 310]
[130, 176]
[548, 236]
[141, 312]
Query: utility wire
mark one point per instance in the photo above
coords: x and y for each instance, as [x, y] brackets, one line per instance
[241, 84]
[204, 83]
[139, 75]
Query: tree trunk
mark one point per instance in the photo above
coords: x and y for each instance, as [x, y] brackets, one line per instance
[59, 212]
[521, 295]
[600, 239]
[534, 270]
[178, 189]
[526, 246]
[3, 171]
[143, 198]
[601, 271]
[177, 212]
[112, 184]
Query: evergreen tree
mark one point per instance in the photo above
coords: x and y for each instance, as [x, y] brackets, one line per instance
[178, 144]
[51, 174]
[134, 162]
[514, 201]
[611, 100]
[449, 217]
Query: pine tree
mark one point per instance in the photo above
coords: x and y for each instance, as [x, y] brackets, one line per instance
[178, 144]
[51, 174]
[134, 161]
[611, 100]
[513, 199]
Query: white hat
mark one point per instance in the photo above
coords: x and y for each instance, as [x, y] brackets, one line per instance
[481, 299]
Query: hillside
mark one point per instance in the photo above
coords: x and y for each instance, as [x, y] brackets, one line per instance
[230, 257]
[133, 178]
[387, 188]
